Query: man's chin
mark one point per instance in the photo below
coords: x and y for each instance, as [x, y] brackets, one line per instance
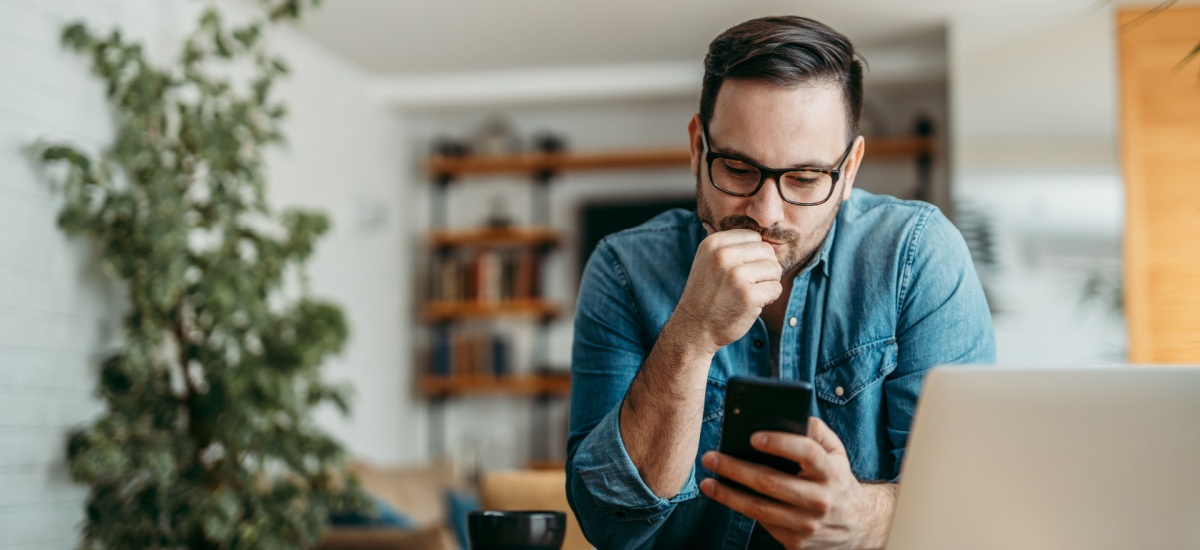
[792, 261]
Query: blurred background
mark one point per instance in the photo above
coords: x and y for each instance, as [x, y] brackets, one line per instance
[1006, 114]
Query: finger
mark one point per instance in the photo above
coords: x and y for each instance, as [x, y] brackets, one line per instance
[736, 236]
[764, 293]
[808, 453]
[732, 254]
[820, 432]
[758, 271]
[708, 228]
[763, 510]
[786, 488]
[793, 537]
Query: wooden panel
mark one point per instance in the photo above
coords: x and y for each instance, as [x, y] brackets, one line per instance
[1160, 152]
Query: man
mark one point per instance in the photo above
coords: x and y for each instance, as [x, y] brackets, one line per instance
[782, 271]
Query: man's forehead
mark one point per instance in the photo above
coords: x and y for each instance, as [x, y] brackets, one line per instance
[779, 125]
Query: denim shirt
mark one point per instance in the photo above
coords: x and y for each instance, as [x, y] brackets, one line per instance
[891, 294]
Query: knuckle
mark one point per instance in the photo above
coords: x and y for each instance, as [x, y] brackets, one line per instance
[722, 256]
[806, 529]
[769, 484]
[757, 509]
[821, 505]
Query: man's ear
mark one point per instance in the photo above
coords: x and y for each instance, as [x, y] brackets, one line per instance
[852, 163]
[695, 143]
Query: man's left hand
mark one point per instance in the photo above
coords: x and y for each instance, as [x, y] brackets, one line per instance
[824, 506]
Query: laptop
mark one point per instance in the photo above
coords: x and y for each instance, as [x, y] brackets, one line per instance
[1052, 459]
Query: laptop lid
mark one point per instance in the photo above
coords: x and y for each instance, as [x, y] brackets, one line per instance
[1052, 459]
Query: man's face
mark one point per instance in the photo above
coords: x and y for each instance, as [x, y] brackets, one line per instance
[777, 127]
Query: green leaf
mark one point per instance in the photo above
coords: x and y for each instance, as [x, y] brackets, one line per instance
[247, 36]
[211, 19]
[76, 37]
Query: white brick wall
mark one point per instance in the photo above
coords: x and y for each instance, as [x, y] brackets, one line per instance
[57, 314]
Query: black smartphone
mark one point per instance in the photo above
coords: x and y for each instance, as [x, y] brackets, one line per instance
[763, 404]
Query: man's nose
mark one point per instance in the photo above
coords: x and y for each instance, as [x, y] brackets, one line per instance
[766, 206]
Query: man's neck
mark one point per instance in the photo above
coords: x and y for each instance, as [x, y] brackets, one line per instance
[774, 313]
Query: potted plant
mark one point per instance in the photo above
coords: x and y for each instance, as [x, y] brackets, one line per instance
[207, 440]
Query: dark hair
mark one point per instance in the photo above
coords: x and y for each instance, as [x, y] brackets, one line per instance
[785, 51]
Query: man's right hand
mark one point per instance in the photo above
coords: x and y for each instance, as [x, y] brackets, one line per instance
[734, 276]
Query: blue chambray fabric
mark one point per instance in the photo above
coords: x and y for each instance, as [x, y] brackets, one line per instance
[892, 293]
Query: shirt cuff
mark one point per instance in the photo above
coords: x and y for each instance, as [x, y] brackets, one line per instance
[609, 475]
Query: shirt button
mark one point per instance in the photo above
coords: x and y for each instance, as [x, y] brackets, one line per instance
[792, 322]
[758, 343]
[839, 391]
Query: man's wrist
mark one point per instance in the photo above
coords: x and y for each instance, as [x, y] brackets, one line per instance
[878, 502]
[684, 335]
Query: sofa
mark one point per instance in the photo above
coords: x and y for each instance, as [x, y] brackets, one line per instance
[419, 493]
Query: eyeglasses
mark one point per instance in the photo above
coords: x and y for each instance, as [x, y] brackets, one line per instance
[798, 186]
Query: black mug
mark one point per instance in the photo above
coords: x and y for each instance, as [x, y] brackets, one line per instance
[516, 530]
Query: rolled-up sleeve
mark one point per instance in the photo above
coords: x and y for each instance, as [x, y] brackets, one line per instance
[944, 318]
[615, 507]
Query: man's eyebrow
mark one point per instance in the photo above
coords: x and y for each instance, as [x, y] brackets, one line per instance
[738, 155]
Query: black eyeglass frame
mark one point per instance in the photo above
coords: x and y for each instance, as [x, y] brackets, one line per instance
[774, 173]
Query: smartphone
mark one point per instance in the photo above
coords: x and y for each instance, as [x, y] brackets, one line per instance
[763, 404]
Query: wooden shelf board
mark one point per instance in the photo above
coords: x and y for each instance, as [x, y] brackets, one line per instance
[444, 311]
[546, 465]
[508, 236]
[525, 385]
[528, 163]
[899, 147]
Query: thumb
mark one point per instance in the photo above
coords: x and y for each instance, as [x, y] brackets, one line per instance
[820, 432]
[708, 227]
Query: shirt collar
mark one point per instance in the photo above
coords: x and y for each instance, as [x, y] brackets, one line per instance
[823, 257]
[820, 262]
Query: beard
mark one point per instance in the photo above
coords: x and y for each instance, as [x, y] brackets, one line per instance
[798, 248]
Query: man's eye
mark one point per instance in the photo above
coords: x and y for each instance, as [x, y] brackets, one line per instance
[803, 179]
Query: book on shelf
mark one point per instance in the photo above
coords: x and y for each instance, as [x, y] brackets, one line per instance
[470, 353]
[487, 275]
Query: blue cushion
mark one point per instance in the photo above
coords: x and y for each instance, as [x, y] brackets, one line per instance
[458, 505]
[382, 515]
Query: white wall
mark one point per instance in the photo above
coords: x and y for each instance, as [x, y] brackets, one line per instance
[1034, 125]
[57, 313]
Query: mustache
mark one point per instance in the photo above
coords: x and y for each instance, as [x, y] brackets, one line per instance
[773, 233]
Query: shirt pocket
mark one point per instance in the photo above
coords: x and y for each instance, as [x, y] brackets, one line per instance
[839, 381]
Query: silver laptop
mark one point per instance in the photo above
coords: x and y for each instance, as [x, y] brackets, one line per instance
[1053, 459]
